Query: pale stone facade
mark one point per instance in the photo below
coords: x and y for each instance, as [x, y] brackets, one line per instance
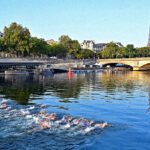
[89, 44]
[51, 42]
[96, 47]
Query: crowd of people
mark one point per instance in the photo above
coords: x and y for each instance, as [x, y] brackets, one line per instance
[42, 120]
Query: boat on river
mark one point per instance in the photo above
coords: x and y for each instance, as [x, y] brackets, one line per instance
[84, 71]
[45, 70]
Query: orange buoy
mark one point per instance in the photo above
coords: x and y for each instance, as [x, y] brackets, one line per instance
[70, 71]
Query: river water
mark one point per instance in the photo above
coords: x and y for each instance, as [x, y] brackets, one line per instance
[121, 99]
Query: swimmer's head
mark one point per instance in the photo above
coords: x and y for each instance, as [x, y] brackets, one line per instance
[102, 125]
[42, 106]
[91, 122]
[41, 112]
[105, 124]
[52, 116]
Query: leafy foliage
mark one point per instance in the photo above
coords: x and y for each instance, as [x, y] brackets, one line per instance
[38, 46]
[72, 46]
[143, 52]
[57, 50]
[16, 38]
[85, 53]
[18, 41]
[110, 51]
[114, 51]
[1, 44]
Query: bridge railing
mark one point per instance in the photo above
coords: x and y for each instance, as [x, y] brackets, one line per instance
[47, 61]
[130, 59]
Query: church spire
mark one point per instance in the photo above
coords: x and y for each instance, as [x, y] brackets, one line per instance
[148, 44]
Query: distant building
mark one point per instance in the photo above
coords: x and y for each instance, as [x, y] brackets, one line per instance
[118, 44]
[96, 47]
[51, 42]
[89, 44]
[1, 34]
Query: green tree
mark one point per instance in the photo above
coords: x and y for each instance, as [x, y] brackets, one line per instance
[85, 53]
[57, 50]
[131, 51]
[72, 46]
[122, 52]
[1, 44]
[110, 51]
[65, 41]
[143, 52]
[17, 38]
[38, 46]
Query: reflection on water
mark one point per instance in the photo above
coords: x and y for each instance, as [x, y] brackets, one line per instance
[122, 99]
[20, 88]
[23, 88]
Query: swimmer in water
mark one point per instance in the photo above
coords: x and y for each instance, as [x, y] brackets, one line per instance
[66, 126]
[4, 101]
[43, 106]
[66, 121]
[3, 106]
[101, 125]
[52, 117]
[61, 121]
[31, 108]
[84, 122]
[95, 126]
[69, 118]
[42, 112]
[36, 120]
[24, 112]
[75, 122]
[44, 125]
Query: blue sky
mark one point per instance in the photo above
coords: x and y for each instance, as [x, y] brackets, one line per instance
[125, 21]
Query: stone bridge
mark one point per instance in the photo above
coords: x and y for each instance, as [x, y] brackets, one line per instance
[19, 62]
[55, 63]
[138, 64]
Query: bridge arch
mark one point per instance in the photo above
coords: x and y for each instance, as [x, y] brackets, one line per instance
[145, 66]
[137, 64]
[115, 63]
